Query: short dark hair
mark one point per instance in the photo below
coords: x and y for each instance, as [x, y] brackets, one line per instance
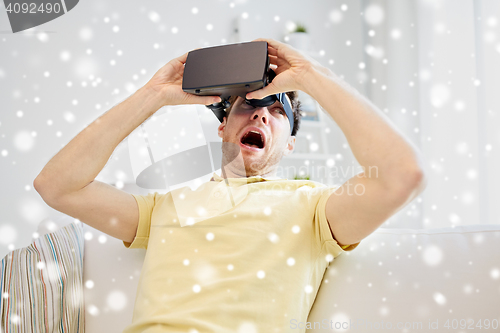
[296, 107]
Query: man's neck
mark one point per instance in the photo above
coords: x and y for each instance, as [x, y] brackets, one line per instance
[228, 173]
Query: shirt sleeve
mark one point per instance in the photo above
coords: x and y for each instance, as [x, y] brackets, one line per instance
[146, 204]
[327, 242]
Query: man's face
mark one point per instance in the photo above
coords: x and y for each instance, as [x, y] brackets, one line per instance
[259, 157]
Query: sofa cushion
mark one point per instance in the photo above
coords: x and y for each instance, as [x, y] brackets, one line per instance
[111, 277]
[41, 284]
[448, 278]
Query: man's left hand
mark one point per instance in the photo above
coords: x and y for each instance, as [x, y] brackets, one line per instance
[292, 69]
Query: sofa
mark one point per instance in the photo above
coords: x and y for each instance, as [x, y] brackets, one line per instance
[403, 280]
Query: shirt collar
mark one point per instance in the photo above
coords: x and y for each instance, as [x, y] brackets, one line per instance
[244, 180]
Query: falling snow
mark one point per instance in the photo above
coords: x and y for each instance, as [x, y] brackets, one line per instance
[116, 300]
[428, 85]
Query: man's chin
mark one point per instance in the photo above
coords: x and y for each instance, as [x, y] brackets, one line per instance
[237, 158]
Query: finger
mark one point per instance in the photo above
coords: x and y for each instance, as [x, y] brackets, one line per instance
[277, 69]
[182, 58]
[280, 70]
[270, 48]
[211, 100]
[272, 51]
[277, 61]
[204, 100]
[263, 92]
[273, 43]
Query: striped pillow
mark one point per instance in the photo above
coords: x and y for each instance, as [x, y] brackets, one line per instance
[41, 284]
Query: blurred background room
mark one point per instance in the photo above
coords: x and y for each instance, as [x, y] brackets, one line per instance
[431, 66]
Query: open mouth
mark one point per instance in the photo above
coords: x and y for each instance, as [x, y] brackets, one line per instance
[253, 139]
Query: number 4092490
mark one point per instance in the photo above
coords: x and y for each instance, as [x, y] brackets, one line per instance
[32, 8]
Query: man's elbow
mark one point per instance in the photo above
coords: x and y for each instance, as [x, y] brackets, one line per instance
[37, 185]
[42, 187]
[415, 182]
[421, 181]
[417, 179]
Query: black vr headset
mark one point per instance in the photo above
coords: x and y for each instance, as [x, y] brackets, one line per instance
[232, 70]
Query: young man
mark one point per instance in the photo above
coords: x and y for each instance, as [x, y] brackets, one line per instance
[246, 251]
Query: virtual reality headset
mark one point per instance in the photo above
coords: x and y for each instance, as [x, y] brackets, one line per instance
[232, 70]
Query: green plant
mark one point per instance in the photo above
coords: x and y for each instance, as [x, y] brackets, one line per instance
[301, 178]
[300, 28]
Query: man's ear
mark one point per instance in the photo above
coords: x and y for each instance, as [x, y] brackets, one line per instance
[220, 130]
[290, 146]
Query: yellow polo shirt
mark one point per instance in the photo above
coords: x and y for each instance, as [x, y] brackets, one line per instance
[235, 255]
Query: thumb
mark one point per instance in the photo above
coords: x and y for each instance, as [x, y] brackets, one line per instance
[263, 92]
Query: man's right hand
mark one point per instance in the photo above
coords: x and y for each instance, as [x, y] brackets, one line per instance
[167, 82]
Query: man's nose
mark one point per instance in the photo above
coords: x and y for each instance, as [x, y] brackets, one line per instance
[261, 113]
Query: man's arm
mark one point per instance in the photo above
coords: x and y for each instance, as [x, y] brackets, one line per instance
[396, 175]
[67, 183]
[393, 168]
